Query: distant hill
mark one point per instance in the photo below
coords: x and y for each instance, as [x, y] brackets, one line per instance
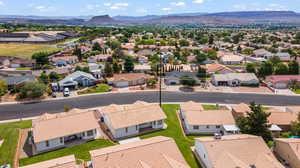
[222, 18]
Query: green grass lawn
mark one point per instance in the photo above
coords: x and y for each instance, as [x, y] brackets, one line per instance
[101, 88]
[80, 152]
[10, 133]
[297, 91]
[210, 107]
[24, 50]
[174, 131]
[23, 69]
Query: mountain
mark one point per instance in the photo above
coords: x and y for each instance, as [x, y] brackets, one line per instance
[102, 20]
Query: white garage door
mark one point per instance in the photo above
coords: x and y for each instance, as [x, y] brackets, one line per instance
[281, 86]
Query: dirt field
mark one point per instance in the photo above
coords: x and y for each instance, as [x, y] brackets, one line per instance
[23, 50]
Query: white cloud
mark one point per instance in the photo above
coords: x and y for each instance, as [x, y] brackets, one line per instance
[198, 1]
[2, 3]
[166, 9]
[107, 4]
[42, 8]
[121, 4]
[177, 3]
[118, 6]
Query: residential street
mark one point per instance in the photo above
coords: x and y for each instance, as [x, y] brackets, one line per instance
[15, 111]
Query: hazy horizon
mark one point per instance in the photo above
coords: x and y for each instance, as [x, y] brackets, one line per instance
[65, 8]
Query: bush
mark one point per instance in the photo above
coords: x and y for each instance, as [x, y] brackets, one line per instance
[32, 90]
[250, 85]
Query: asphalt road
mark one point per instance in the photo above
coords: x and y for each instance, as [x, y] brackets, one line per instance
[15, 111]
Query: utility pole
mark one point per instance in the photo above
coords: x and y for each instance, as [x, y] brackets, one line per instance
[160, 76]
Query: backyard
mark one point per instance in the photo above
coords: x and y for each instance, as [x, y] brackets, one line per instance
[9, 133]
[80, 152]
[24, 50]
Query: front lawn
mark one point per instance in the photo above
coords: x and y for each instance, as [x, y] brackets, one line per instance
[174, 131]
[296, 91]
[9, 132]
[210, 107]
[80, 152]
[101, 88]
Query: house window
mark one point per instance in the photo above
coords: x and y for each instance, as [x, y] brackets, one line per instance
[159, 122]
[83, 134]
[61, 140]
[218, 126]
[136, 127]
[126, 129]
[207, 126]
[196, 127]
[47, 143]
[90, 133]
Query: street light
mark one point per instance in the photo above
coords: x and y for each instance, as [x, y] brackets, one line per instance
[159, 71]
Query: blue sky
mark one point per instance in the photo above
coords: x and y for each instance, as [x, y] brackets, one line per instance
[137, 7]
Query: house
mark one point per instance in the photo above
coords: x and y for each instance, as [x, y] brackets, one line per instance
[129, 79]
[65, 60]
[196, 120]
[130, 120]
[233, 151]
[295, 109]
[96, 70]
[62, 162]
[287, 149]
[218, 68]
[235, 79]
[156, 152]
[240, 110]
[173, 78]
[283, 56]
[282, 119]
[53, 131]
[281, 81]
[76, 79]
[17, 80]
[142, 68]
[98, 58]
[263, 53]
[231, 59]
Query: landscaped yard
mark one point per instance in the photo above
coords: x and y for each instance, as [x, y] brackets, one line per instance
[80, 152]
[101, 88]
[297, 91]
[174, 131]
[24, 50]
[9, 133]
[210, 107]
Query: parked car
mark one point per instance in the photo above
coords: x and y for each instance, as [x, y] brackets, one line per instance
[66, 92]
[54, 95]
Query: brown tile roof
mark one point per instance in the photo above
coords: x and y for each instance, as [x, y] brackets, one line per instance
[50, 126]
[156, 152]
[129, 77]
[63, 162]
[294, 108]
[282, 118]
[241, 108]
[191, 105]
[218, 68]
[234, 151]
[122, 116]
[209, 117]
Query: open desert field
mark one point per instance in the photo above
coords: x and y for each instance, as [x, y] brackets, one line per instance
[24, 50]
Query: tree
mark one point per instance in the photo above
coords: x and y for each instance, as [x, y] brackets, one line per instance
[41, 58]
[251, 68]
[77, 52]
[151, 83]
[294, 85]
[201, 72]
[116, 67]
[183, 43]
[275, 60]
[187, 81]
[295, 127]
[3, 87]
[32, 90]
[255, 123]
[236, 38]
[53, 76]
[201, 57]
[294, 68]
[44, 78]
[265, 69]
[281, 69]
[96, 47]
[108, 70]
[211, 40]
[128, 64]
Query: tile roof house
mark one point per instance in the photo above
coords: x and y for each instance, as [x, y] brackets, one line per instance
[76, 79]
[64, 60]
[218, 68]
[232, 59]
[173, 78]
[281, 81]
[52, 131]
[134, 119]
[234, 79]
[196, 120]
[293, 109]
[233, 151]
[129, 79]
[62, 162]
[156, 152]
[18, 80]
[288, 150]
[240, 110]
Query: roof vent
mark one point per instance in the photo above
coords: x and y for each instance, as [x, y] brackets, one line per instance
[252, 166]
